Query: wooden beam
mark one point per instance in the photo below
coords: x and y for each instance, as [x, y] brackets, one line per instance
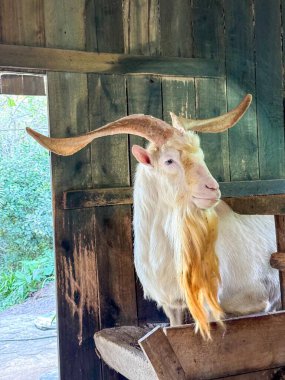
[156, 347]
[262, 335]
[26, 57]
[260, 204]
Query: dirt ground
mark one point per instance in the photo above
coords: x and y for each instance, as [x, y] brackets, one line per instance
[27, 352]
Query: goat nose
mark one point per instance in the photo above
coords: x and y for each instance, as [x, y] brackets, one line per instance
[213, 185]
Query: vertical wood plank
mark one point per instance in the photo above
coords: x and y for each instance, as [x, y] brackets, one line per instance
[109, 26]
[68, 103]
[211, 101]
[141, 26]
[76, 263]
[208, 29]
[280, 238]
[178, 97]
[22, 22]
[110, 167]
[269, 89]
[240, 69]
[67, 20]
[176, 28]
[208, 39]
[144, 96]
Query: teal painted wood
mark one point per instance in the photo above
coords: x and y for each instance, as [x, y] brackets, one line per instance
[269, 89]
[208, 30]
[176, 28]
[240, 69]
[211, 101]
[244, 188]
[178, 97]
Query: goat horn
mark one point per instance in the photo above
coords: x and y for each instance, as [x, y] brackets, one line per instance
[151, 128]
[216, 124]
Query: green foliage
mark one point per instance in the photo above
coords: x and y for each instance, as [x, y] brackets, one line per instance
[25, 196]
[16, 286]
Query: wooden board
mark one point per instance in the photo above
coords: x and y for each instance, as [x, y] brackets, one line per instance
[176, 29]
[269, 89]
[240, 68]
[248, 344]
[161, 355]
[25, 57]
[17, 84]
[262, 205]
[22, 22]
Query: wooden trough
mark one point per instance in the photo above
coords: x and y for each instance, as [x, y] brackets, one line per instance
[104, 59]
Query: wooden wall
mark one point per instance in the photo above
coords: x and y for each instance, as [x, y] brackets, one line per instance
[96, 282]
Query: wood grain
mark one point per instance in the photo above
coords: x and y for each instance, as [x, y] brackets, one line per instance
[161, 355]
[25, 57]
[248, 344]
[22, 22]
[253, 205]
[16, 84]
[269, 89]
[240, 68]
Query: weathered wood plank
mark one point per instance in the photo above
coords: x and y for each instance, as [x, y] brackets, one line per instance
[78, 310]
[25, 57]
[253, 205]
[240, 67]
[74, 232]
[161, 355]
[175, 27]
[141, 27]
[22, 22]
[280, 238]
[109, 25]
[144, 96]
[208, 29]
[211, 101]
[178, 97]
[244, 188]
[261, 334]
[268, 374]
[269, 89]
[16, 84]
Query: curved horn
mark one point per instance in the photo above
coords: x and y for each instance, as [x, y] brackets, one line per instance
[216, 124]
[151, 128]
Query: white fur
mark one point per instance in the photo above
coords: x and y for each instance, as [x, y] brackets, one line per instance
[244, 246]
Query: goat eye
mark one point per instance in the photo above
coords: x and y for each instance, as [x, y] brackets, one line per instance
[169, 162]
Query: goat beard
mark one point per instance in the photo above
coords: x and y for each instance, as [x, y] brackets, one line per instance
[200, 276]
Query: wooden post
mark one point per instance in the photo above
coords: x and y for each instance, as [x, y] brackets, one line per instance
[280, 238]
[161, 355]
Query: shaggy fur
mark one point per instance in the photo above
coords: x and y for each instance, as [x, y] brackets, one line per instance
[176, 241]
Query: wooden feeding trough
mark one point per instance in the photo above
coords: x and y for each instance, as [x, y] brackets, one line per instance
[108, 58]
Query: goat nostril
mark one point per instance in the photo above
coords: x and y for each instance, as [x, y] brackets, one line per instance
[213, 187]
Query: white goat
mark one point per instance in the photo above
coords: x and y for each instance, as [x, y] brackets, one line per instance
[191, 250]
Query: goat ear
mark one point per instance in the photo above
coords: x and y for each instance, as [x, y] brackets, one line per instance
[141, 155]
[176, 122]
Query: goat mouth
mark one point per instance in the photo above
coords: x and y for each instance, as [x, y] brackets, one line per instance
[205, 203]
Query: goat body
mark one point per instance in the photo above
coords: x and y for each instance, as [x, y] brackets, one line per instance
[244, 245]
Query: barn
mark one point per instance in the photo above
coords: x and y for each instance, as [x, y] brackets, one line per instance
[105, 59]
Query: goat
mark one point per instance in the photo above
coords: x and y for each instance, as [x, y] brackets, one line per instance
[191, 250]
